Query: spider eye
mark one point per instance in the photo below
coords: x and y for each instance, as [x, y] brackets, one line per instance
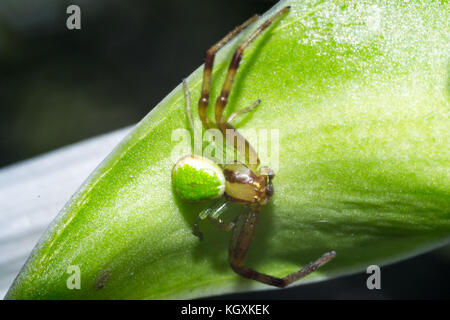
[266, 171]
[269, 189]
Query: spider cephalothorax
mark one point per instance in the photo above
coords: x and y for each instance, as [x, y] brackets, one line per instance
[196, 178]
[242, 185]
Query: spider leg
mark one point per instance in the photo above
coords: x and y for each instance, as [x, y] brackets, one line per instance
[235, 115]
[187, 97]
[225, 226]
[240, 243]
[234, 65]
[222, 100]
[213, 214]
[207, 71]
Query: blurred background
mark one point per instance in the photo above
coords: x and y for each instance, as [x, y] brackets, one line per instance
[60, 86]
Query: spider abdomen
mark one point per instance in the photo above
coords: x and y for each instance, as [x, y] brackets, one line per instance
[196, 178]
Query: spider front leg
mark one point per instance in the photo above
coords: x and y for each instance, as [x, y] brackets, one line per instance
[235, 115]
[240, 243]
[234, 65]
[207, 72]
[223, 123]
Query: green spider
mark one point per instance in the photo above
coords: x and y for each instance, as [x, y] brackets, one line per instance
[196, 178]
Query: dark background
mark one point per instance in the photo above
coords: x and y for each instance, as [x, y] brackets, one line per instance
[59, 86]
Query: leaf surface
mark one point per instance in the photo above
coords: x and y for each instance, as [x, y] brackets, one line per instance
[358, 91]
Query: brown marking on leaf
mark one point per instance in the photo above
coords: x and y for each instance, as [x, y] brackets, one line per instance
[102, 279]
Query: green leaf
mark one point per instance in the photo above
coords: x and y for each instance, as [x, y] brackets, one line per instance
[359, 91]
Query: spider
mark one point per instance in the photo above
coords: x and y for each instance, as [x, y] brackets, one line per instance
[196, 178]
